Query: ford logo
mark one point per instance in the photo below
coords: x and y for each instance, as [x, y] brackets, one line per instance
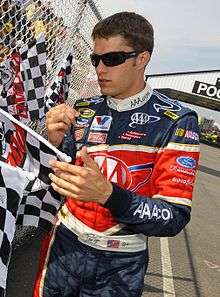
[186, 162]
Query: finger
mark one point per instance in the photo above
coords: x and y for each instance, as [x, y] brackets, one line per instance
[72, 179]
[60, 116]
[69, 168]
[63, 192]
[61, 183]
[62, 113]
[87, 160]
[61, 126]
[70, 114]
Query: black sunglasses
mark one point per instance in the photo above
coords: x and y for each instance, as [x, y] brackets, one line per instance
[112, 59]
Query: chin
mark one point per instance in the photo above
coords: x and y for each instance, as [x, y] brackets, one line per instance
[107, 92]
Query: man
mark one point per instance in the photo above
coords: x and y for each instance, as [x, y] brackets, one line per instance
[137, 153]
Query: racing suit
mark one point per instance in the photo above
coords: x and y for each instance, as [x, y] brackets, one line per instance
[148, 147]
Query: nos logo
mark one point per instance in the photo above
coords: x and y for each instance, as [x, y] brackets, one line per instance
[127, 177]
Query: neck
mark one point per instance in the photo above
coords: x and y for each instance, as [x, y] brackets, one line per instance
[135, 90]
[130, 102]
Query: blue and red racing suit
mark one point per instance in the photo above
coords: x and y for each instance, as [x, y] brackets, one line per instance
[148, 147]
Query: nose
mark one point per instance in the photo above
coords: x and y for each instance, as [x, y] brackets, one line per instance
[101, 68]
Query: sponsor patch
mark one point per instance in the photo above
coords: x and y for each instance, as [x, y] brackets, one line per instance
[192, 135]
[128, 135]
[143, 210]
[141, 118]
[131, 178]
[171, 115]
[178, 180]
[180, 132]
[79, 134]
[170, 105]
[101, 123]
[176, 168]
[113, 243]
[138, 101]
[97, 137]
[187, 162]
[80, 122]
[86, 112]
[89, 101]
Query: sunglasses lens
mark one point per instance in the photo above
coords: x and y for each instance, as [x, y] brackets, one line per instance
[95, 59]
[113, 59]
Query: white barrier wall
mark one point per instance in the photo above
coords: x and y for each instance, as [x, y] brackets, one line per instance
[201, 83]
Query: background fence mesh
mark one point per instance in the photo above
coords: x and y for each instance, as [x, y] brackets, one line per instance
[67, 25]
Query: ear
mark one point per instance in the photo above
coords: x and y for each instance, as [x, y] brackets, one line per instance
[143, 59]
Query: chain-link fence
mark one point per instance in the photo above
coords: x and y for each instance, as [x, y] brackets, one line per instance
[67, 25]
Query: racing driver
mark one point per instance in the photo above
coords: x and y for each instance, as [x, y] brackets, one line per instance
[135, 157]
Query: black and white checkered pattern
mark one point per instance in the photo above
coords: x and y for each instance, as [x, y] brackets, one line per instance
[33, 72]
[7, 76]
[39, 207]
[35, 160]
[58, 91]
[26, 196]
[13, 181]
[12, 97]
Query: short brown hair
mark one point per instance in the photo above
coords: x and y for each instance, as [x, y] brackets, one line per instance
[133, 27]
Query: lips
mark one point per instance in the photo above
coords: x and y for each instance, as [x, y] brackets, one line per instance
[103, 82]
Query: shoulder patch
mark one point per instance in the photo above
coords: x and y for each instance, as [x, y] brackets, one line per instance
[89, 101]
[168, 107]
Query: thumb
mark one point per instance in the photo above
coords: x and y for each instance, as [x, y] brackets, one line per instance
[87, 160]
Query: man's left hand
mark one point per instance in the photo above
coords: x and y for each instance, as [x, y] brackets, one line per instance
[85, 183]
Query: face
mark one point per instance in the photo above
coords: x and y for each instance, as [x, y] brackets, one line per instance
[123, 80]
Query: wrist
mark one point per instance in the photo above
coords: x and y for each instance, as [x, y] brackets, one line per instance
[107, 193]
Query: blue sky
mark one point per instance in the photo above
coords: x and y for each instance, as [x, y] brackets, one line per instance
[187, 33]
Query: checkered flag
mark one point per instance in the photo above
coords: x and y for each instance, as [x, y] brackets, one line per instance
[22, 147]
[26, 196]
[10, 198]
[33, 72]
[12, 97]
[58, 91]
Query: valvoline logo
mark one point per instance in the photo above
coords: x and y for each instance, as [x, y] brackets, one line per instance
[115, 170]
[101, 123]
[187, 162]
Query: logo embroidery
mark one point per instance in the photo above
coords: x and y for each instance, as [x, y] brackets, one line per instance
[101, 123]
[141, 118]
[187, 162]
[171, 115]
[86, 112]
[115, 170]
[96, 137]
[171, 106]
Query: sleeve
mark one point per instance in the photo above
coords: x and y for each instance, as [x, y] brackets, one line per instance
[167, 211]
[68, 144]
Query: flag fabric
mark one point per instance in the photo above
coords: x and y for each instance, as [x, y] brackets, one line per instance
[26, 196]
[23, 81]
[58, 90]
[10, 198]
[24, 148]
[33, 73]
[12, 97]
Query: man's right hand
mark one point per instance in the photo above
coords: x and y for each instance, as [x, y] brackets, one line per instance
[58, 121]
